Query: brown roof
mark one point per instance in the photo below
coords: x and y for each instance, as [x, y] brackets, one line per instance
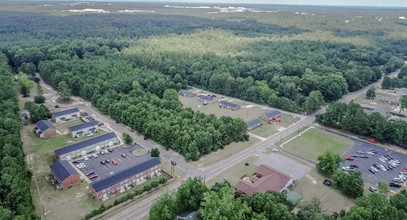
[265, 179]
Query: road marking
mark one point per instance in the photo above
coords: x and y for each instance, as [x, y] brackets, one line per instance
[298, 135]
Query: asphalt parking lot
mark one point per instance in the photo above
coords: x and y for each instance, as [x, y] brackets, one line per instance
[102, 171]
[365, 163]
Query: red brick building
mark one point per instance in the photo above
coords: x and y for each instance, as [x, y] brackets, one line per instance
[64, 174]
[124, 179]
[45, 129]
[264, 179]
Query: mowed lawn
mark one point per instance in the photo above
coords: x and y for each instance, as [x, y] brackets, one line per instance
[315, 142]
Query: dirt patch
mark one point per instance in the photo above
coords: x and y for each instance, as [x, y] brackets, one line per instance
[140, 152]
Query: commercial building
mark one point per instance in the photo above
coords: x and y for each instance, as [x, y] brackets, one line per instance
[64, 174]
[264, 179]
[186, 93]
[84, 147]
[229, 105]
[252, 124]
[45, 129]
[124, 179]
[83, 129]
[66, 115]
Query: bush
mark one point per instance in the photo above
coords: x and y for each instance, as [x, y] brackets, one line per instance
[56, 106]
[147, 188]
[154, 183]
[39, 99]
[163, 180]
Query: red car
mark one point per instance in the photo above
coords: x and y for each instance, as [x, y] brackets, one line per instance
[270, 122]
[354, 166]
[349, 158]
[372, 140]
[114, 162]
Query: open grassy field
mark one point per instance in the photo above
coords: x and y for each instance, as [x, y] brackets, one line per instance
[267, 130]
[234, 173]
[224, 153]
[331, 200]
[315, 142]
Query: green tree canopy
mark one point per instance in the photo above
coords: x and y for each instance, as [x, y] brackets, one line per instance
[328, 163]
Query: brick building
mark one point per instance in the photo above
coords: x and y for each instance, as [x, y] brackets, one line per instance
[229, 105]
[45, 129]
[271, 115]
[64, 174]
[186, 93]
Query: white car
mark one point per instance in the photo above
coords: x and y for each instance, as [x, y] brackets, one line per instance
[382, 167]
[345, 168]
[94, 155]
[382, 159]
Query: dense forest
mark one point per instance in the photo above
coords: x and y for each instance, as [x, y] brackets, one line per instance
[220, 202]
[15, 177]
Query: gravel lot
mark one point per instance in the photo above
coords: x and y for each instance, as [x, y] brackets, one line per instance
[365, 163]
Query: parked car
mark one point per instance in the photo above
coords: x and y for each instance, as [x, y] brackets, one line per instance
[349, 158]
[372, 189]
[123, 155]
[114, 162]
[372, 171]
[86, 158]
[372, 140]
[103, 162]
[270, 122]
[93, 177]
[101, 124]
[355, 156]
[327, 182]
[110, 149]
[107, 161]
[345, 168]
[94, 155]
[364, 156]
[102, 152]
[84, 114]
[354, 166]
[90, 173]
[373, 151]
[360, 152]
[394, 185]
[389, 166]
[362, 137]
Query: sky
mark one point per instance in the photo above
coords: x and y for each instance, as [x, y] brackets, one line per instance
[373, 3]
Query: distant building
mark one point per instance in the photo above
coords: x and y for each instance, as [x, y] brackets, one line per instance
[206, 98]
[270, 115]
[385, 112]
[265, 179]
[390, 100]
[254, 123]
[400, 91]
[186, 93]
[24, 116]
[84, 147]
[229, 105]
[64, 174]
[83, 129]
[66, 115]
[124, 179]
[45, 129]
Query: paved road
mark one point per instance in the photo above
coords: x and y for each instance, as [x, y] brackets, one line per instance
[210, 172]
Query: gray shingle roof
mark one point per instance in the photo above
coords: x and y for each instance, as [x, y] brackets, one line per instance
[205, 98]
[43, 125]
[109, 181]
[186, 92]
[84, 144]
[253, 122]
[225, 103]
[84, 125]
[272, 114]
[65, 112]
[62, 170]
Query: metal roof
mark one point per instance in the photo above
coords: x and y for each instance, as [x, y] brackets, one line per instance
[253, 122]
[43, 125]
[65, 112]
[84, 125]
[272, 114]
[233, 105]
[206, 98]
[83, 144]
[62, 170]
[111, 180]
[186, 92]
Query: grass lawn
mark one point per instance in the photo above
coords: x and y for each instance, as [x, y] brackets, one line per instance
[267, 129]
[377, 101]
[234, 173]
[224, 153]
[315, 142]
[331, 200]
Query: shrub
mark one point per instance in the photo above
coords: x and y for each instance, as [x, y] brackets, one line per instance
[163, 180]
[154, 183]
[147, 188]
[39, 99]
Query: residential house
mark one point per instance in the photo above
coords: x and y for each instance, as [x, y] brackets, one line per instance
[66, 115]
[64, 174]
[124, 179]
[264, 179]
[83, 129]
[400, 91]
[229, 105]
[390, 100]
[254, 123]
[45, 129]
[186, 93]
[206, 99]
[84, 147]
[270, 115]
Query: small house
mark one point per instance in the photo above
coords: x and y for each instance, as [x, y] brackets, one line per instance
[64, 174]
[254, 123]
[229, 105]
[271, 115]
[45, 129]
[66, 115]
[400, 91]
[390, 100]
[186, 93]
